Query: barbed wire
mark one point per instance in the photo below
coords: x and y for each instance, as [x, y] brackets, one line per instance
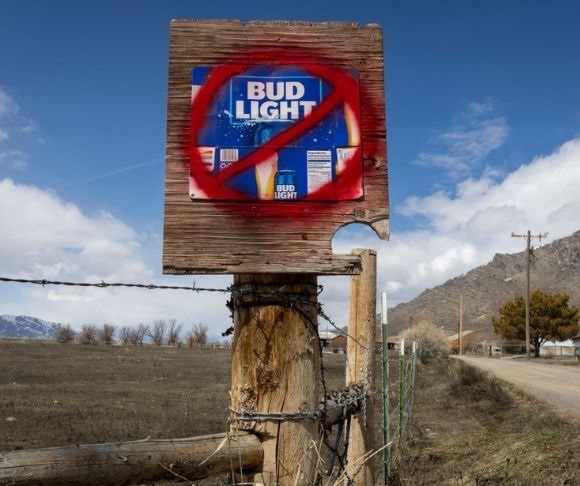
[251, 416]
[103, 284]
[286, 298]
[294, 301]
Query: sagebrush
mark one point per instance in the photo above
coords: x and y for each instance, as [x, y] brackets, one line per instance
[432, 341]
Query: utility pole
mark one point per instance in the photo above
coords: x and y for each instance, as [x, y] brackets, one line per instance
[461, 323]
[528, 236]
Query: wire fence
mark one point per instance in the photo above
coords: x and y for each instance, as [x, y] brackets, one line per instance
[342, 403]
[399, 381]
[399, 368]
[282, 298]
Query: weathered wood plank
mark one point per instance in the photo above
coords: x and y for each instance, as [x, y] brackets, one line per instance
[132, 462]
[360, 367]
[208, 237]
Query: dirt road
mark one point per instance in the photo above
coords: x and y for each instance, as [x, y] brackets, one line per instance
[557, 385]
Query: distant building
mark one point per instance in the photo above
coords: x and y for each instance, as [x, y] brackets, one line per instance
[336, 341]
[326, 336]
[467, 341]
[554, 349]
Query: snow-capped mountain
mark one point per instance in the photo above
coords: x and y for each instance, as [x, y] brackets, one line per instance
[27, 327]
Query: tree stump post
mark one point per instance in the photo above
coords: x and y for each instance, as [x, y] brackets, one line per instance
[360, 366]
[276, 370]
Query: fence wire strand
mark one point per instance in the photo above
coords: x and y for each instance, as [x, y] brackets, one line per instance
[291, 300]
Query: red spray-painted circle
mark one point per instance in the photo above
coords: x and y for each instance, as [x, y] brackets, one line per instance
[345, 91]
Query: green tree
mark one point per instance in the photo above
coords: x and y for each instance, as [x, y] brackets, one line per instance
[552, 318]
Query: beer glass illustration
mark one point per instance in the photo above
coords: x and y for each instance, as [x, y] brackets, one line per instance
[266, 170]
[265, 175]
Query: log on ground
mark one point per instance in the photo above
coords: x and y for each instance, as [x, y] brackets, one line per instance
[133, 462]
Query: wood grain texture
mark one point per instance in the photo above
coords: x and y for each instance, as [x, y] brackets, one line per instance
[132, 462]
[360, 359]
[238, 237]
[276, 369]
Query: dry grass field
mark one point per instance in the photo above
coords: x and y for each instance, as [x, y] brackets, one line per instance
[53, 394]
[70, 394]
[466, 428]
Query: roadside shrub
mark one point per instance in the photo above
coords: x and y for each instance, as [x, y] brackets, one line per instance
[470, 383]
[65, 334]
[432, 341]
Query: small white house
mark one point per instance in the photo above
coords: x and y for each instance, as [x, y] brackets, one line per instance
[557, 349]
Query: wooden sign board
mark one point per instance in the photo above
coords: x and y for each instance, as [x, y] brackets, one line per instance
[276, 137]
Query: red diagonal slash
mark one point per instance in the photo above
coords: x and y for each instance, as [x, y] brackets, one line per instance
[345, 90]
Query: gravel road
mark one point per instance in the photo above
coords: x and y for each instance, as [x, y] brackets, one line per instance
[557, 385]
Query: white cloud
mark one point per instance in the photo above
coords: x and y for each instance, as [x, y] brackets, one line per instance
[481, 107]
[468, 227]
[7, 105]
[53, 239]
[13, 127]
[44, 237]
[39, 229]
[28, 126]
[532, 193]
[462, 147]
[12, 159]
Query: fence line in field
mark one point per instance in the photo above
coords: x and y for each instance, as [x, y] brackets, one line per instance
[397, 412]
[397, 407]
[398, 398]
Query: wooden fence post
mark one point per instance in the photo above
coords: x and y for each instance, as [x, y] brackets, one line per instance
[276, 370]
[361, 365]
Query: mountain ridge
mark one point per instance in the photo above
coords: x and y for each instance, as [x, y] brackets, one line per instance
[27, 327]
[484, 289]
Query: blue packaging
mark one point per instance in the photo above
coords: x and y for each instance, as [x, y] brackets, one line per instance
[254, 107]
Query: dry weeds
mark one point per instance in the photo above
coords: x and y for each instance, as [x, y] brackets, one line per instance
[467, 428]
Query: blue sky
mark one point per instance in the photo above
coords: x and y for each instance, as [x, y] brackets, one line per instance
[483, 111]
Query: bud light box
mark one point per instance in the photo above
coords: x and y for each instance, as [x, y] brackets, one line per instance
[254, 144]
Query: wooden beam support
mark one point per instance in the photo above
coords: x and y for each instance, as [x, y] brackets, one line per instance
[276, 370]
[132, 462]
[361, 366]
